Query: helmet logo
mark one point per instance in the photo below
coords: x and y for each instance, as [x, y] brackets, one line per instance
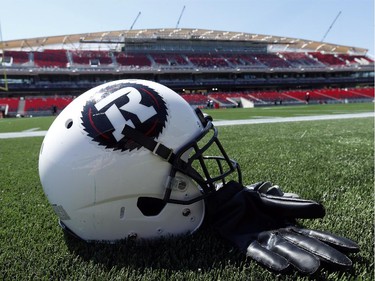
[105, 116]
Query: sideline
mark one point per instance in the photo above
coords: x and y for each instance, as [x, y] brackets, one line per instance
[27, 134]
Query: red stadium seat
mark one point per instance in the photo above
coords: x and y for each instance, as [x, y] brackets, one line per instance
[91, 58]
[11, 102]
[17, 57]
[133, 60]
[33, 104]
[51, 58]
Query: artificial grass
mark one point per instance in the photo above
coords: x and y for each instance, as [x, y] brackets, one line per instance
[24, 124]
[288, 111]
[328, 161]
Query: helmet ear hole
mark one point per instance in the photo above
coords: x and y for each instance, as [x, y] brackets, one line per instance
[69, 123]
[150, 206]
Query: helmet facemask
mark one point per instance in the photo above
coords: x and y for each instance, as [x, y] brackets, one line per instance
[209, 172]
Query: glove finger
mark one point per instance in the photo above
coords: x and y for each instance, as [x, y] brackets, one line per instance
[267, 258]
[341, 243]
[317, 248]
[302, 260]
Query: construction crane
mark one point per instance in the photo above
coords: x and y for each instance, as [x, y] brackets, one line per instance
[135, 21]
[178, 22]
[330, 27]
[123, 49]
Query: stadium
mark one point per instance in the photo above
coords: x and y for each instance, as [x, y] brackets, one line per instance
[207, 67]
[229, 75]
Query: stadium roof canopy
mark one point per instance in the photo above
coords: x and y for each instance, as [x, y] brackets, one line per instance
[107, 39]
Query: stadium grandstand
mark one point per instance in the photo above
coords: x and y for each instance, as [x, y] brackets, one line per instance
[40, 76]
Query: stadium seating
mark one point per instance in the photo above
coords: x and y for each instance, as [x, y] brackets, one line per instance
[295, 96]
[59, 58]
[133, 60]
[222, 99]
[51, 58]
[272, 60]
[234, 60]
[11, 102]
[17, 57]
[268, 96]
[240, 69]
[196, 99]
[360, 60]
[207, 60]
[169, 59]
[306, 96]
[91, 58]
[244, 60]
[328, 59]
[346, 93]
[300, 59]
[366, 92]
[35, 104]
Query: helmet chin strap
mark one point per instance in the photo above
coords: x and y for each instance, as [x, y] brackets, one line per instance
[154, 146]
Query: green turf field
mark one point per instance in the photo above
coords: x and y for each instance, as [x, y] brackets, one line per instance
[23, 124]
[289, 111]
[328, 161]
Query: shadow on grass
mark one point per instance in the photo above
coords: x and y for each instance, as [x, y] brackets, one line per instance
[201, 251]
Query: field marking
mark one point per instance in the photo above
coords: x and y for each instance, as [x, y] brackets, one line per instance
[22, 134]
[304, 133]
[31, 130]
[293, 119]
[218, 123]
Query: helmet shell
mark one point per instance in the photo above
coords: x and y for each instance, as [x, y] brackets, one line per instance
[96, 178]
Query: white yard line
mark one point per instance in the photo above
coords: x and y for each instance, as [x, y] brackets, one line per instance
[293, 119]
[32, 130]
[22, 135]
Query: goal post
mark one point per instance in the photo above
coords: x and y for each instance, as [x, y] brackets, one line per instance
[3, 79]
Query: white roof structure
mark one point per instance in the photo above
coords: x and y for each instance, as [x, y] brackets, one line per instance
[109, 39]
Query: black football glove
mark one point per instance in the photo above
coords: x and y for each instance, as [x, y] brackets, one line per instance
[261, 221]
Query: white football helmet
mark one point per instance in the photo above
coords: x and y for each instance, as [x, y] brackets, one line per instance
[121, 161]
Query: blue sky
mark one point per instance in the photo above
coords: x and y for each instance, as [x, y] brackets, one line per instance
[307, 19]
